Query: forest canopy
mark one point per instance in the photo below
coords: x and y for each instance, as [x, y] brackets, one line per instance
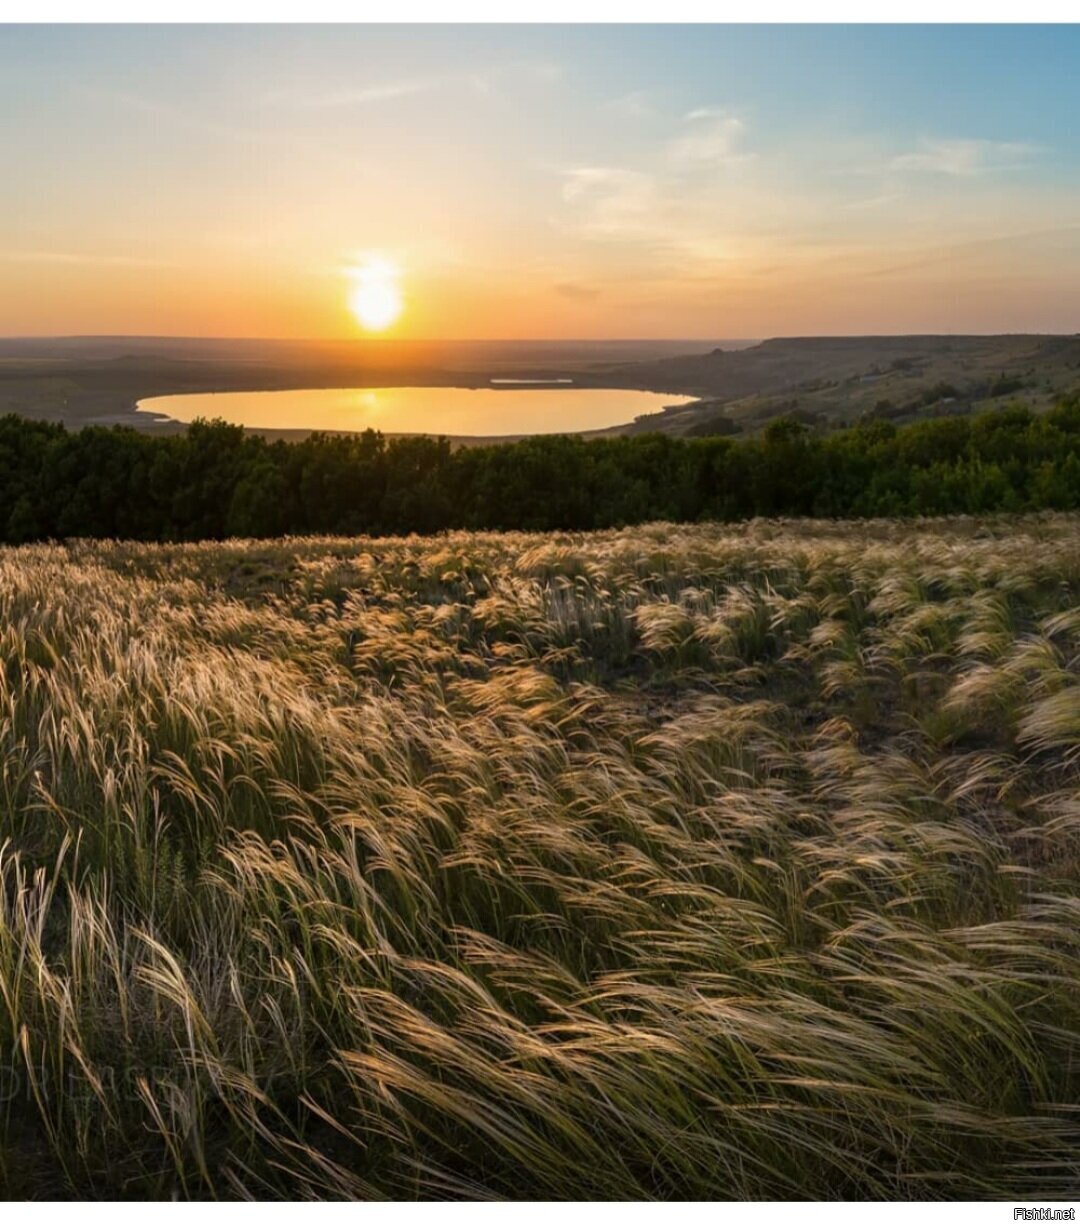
[215, 480]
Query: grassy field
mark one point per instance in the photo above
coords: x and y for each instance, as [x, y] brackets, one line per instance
[677, 862]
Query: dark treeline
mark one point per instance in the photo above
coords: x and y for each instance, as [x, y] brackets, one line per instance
[215, 480]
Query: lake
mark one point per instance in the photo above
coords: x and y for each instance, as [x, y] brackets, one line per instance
[469, 412]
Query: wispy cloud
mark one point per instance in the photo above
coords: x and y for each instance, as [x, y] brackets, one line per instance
[868, 203]
[710, 136]
[676, 204]
[638, 104]
[611, 202]
[180, 117]
[682, 207]
[362, 95]
[482, 81]
[964, 157]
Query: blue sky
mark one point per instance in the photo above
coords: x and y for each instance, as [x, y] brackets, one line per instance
[541, 180]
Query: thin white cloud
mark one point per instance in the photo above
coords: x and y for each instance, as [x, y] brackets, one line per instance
[861, 203]
[710, 137]
[178, 116]
[481, 82]
[962, 158]
[611, 202]
[635, 105]
[362, 95]
[672, 206]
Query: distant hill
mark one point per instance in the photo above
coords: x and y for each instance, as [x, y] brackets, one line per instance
[837, 380]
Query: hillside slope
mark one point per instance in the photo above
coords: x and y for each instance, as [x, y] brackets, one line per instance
[839, 379]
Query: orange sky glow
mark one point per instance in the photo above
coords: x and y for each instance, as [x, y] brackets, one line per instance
[542, 182]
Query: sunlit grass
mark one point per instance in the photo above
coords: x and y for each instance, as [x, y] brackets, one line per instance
[676, 862]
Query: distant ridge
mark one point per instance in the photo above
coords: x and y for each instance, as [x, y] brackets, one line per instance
[841, 378]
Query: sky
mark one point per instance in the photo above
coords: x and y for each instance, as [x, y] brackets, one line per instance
[540, 181]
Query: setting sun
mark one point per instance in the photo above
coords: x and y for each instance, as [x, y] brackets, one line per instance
[375, 297]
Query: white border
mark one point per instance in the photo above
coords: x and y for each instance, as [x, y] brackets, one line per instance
[537, 11]
[722, 1213]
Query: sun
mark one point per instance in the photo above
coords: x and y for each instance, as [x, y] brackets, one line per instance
[375, 296]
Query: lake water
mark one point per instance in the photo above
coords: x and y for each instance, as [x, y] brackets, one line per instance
[470, 412]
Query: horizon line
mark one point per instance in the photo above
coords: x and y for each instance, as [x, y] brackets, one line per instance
[518, 340]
